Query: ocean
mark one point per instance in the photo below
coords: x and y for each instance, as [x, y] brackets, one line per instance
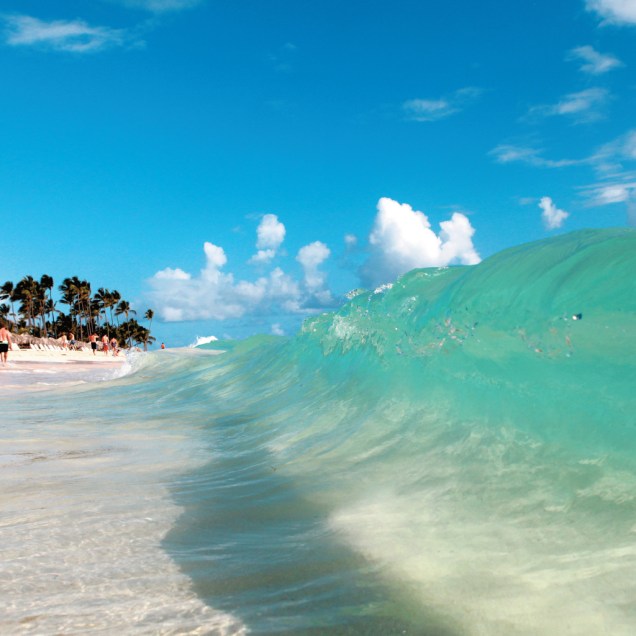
[451, 454]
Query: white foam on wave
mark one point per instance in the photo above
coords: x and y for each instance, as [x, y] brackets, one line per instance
[202, 340]
[83, 509]
[483, 572]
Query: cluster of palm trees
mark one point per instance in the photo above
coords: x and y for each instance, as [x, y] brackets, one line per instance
[104, 312]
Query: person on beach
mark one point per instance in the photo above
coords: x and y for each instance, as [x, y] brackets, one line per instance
[5, 343]
[114, 345]
[93, 340]
[163, 346]
[71, 341]
[64, 342]
[105, 344]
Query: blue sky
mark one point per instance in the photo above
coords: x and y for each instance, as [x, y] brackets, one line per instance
[239, 165]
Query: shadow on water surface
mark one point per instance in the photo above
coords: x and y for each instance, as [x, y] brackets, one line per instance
[254, 546]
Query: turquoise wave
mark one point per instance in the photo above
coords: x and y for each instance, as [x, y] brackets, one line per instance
[450, 454]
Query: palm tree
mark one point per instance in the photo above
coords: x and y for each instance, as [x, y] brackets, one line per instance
[70, 291]
[103, 299]
[7, 292]
[46, 283]
[124, 308]
[28, 293]
[115, 297]
[149, 315]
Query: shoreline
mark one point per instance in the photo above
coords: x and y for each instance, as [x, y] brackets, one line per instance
[30, 368]
[33, 356]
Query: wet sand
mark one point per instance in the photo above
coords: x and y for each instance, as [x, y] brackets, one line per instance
[28, 366]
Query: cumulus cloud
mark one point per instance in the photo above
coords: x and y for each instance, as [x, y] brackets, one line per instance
[440, 108]
[553, 217]
[594, 62]
[73, 36]
[277, 330]
[311, 257]
[614, 11]
[172, 274]
[270, 236]
[402, 239]
[214, 294]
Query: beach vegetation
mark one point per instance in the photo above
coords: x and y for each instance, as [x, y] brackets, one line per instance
[38, 311]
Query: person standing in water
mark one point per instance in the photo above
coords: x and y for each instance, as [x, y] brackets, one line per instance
[5, 343]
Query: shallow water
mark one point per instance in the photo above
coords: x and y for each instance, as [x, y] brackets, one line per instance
[453, 455]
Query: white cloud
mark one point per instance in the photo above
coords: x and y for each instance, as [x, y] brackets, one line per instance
[629, 145]
[277, 330]
[595, 63]
[435, 109]
[402, 239]
[583, 107]
[311, 257]
[214, 294]
[576, 103]
[614, 11]
[159, 6]
[351, 240]
[75, 36]
[612, 193]
[601, 194]
[509, 153]
[553, 217]
[172, 274]
[270, 235]
[614, 165]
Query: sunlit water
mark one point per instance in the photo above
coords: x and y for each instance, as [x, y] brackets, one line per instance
[453, 455]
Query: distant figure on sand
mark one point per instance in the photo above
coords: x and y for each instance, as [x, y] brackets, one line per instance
[93, 340]
[163, 346]
[5, 343]
[64, 341]
[105, 344]
[71, 341]
[114, 345]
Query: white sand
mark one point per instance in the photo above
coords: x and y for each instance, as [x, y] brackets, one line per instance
[42, 368]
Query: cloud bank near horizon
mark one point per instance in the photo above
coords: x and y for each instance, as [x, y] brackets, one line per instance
[401, 239]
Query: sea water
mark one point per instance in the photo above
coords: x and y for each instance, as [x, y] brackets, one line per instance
[451, 454]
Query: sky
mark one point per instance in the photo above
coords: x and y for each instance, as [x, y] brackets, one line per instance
[239, 166]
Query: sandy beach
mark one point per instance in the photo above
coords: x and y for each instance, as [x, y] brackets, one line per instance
[41, 368]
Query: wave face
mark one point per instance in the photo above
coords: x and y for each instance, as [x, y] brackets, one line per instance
[454, 454]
